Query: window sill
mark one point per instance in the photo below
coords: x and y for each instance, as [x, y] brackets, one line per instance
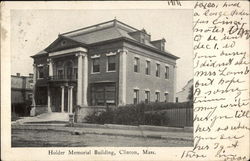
[95, 72]
[111, 71]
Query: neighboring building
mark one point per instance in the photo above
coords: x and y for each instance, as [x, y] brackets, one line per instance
[182, 96]
[109, 63]
[21, 94]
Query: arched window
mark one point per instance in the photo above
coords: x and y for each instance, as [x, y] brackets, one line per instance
[68, 70]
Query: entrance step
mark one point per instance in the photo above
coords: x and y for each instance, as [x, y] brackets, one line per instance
[52, 117]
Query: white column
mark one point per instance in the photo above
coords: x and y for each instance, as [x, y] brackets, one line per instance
[68, 99]
[71, 99]
[79, 79]
[62, 99]
[175, 79]
[33, 109]
[34, 85]
[85, 80]
[50, 67]
[49, 103]
[122, 76]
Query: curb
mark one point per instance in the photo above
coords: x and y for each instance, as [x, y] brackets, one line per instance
[131, 127]
[78, 131]
[124, 127]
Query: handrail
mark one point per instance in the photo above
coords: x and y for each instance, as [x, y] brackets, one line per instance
[62, 77]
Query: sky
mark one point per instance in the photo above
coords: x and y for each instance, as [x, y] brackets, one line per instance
[34, 30]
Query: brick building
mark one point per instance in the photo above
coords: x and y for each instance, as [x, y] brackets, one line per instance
[21, 94]
[110, 63]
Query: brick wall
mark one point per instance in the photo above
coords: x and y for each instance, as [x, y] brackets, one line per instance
[142, 81]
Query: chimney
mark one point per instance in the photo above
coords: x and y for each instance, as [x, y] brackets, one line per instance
[115, 21]
[18, 74]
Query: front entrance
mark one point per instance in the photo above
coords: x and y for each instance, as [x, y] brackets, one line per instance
[56, 98]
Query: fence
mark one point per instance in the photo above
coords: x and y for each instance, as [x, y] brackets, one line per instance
[179, 117]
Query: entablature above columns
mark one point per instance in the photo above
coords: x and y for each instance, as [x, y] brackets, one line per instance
[122, 50]
[80, 54]
[76, 51]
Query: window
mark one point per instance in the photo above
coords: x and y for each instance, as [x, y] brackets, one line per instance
[110, 94]
[96, 65]
[103, 94]
[111, 63]
[162, 47]
[40, 72]
[147, 96]
[60, 74]
[136, 64]
[143, 38]
[147, 70]
[68, 69]
[166, 72]
[136, 96]
[76, 73]
[98, 96]
[157, 96]
[166, 97]
[157, 72]
[41, 96]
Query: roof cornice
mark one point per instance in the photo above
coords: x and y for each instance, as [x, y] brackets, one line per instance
[139, 44]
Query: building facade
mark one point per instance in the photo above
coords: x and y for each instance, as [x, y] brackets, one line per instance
[182, 96]
[110, 63]
[21, 94]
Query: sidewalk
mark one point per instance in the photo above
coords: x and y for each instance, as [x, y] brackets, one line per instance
[115, 130]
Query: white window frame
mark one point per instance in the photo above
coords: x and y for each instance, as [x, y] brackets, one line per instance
[138, 95]
[166, 93]
[138, 65]
[156, 96]
[92, 64]
[167, 66]
[149, 67]
[159, 71]
[107, 62]
[38, 71]
[147, 91]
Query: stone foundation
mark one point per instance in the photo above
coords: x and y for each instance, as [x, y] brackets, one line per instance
[82, 112]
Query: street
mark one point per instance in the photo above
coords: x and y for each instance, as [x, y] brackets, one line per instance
[51, 138]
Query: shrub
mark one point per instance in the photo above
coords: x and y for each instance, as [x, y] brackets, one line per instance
[105, 117]
[92, 118]
[155, 119]
[150, 114]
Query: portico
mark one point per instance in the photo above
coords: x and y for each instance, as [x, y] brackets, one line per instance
[71, 79]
